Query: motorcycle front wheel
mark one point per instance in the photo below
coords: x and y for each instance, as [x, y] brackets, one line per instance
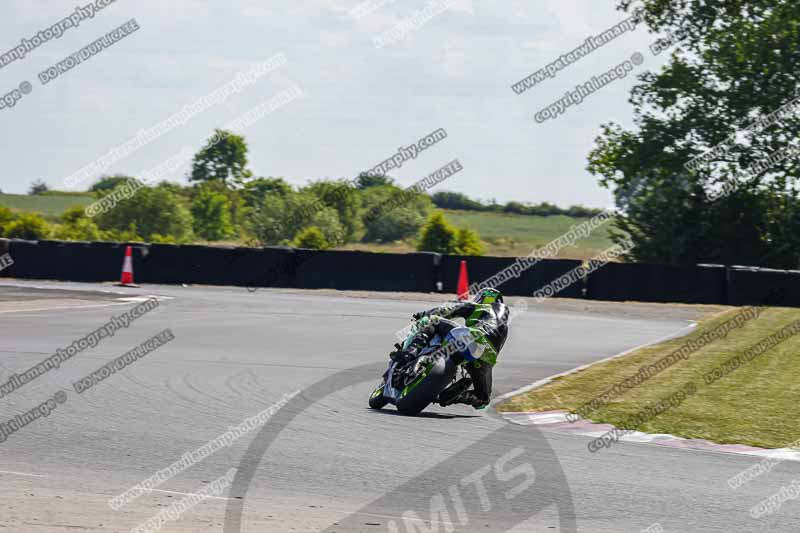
[377, 400]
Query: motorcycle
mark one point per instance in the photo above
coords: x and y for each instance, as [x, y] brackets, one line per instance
[436, 373]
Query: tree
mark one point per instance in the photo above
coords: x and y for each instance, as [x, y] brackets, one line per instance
[395, 225]
[211, 213]
[280, 218]
[108, 183]
[328, 221]
[311, 237]
[38, 187]
[344, 199]
[468, 242]
[456, 200]
[516, 207]
[438, 236]
[733, 64]
[267, 222]
[27, 226]
[579, 211]
[224, 158]
[257, 189]
[382, 200]
[366, 180]
[152, 211]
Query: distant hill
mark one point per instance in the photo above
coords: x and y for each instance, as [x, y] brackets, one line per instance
[50, 204]
[514, 235]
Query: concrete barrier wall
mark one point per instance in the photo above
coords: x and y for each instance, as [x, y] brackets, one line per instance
[5, 246]
[260, 267]
[70, 261]
[749, 285]
[365, 271]
[619, 282]
[416, 272]
[528, 281]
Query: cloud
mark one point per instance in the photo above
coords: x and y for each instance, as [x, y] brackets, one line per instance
[464, 6]
[335, 39]
[539, 45]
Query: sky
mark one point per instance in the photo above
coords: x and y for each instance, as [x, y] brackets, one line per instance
[357, 104]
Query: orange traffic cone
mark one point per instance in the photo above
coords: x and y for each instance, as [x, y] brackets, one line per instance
[462, 289]
[126, 280]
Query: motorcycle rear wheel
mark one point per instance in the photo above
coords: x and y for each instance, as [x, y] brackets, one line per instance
[424, 392]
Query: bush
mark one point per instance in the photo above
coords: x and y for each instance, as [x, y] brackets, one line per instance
[128, 235]
[27, 226]
[6, 216]
[82, 229]
[73, 214]
[311, 237]
[438, 236]
[468, 242]
[155, 238]
[76, 226]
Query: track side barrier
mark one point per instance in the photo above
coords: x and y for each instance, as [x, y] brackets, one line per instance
[346, 270]
[261, 267]
[529, 280]
[6, 267]
[619, 282]
[415, 272]
[748, 285]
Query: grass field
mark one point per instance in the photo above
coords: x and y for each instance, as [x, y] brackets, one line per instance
[513, 235]
[509, 234]
[753, 402]
[48, 205]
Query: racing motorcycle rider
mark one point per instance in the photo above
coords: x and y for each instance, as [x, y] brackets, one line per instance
[486, 317]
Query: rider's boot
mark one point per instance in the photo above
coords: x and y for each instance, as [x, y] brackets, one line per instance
[470, 398]
[452, 393]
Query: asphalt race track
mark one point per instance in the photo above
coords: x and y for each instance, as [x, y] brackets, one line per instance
[329, 463]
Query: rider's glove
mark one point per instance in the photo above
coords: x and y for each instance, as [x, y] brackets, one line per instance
[397, 354]
[418, 315]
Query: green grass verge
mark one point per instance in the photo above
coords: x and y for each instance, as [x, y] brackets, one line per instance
[48, 205]
[755, 404]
